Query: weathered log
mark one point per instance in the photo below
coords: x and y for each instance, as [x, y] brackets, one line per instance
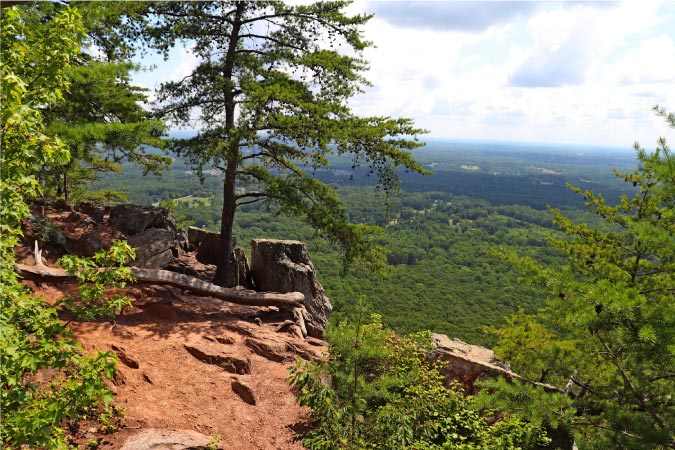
[288, 301]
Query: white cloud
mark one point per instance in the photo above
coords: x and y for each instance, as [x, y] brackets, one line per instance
[548, 71]
[185, 64]
[652, 62]
[575, 53]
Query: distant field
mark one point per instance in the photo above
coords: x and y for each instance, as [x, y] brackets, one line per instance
[195, 202]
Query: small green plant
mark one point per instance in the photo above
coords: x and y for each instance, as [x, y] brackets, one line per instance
[378, 390]
[105, 269]
[214, 443]
[111, 418]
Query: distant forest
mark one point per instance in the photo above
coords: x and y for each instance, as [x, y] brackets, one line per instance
[440, 230]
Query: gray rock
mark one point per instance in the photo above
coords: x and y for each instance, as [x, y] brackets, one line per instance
[95, 211]
[155, 248]
[86, 245]
[207, 247]
[134, 219]
[157, 439]
[285, 266]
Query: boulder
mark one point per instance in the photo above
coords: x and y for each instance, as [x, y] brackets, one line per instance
[467, 363]
[85, 245]
[95, 211]
[206, 244]
[285, 266]
[134, 219]
[155, 248]
[157, 439]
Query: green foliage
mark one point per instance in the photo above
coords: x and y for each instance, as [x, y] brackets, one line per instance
[181, 220]
[273, 105]
[607, 335]
[94, 275]
[45, 378]
[378, 390]
[100, 117]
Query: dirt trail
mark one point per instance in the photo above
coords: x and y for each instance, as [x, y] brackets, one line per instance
[161, 385]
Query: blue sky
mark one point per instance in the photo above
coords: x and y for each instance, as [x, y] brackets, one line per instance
[562, 72]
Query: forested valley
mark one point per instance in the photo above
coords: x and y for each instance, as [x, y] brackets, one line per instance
[440, 231]
[561, 258]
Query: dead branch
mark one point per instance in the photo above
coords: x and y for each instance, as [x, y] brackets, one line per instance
[198, 287]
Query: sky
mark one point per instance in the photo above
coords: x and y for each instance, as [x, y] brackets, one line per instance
[574, 72]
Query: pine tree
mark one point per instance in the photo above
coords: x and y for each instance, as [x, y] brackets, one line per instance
[270, 95]
[100, 117]
[607, 335]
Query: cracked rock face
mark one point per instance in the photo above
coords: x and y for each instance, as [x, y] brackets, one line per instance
[284, 266]
[156, 439]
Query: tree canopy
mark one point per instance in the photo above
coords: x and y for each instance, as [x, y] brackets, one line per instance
[100, 117]
[270, 95]
[607, 335]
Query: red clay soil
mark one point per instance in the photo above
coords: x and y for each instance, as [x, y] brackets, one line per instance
[161, 385]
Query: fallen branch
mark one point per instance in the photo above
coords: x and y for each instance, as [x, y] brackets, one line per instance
[202, 288]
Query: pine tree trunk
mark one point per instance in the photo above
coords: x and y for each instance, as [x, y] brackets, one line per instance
[226, 271]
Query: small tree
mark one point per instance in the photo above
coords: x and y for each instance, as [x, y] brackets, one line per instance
[34, 402]
[100, 117]
[378, 390]
[607, 335]
[271, 95]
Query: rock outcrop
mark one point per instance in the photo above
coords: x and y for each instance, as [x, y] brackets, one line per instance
[467, 363]
[206, 245]
[212, 354]
[284, 266]
[133, 219]
[156, 439]
[156, 248]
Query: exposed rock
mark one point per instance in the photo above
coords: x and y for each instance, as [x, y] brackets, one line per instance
[134, 219]
[86, 245]
[118, 379]
[284, 266]
[467, 363]
[156, 439]
[316, 342]
[155, 248]
[211, 354]
[285, 326]
[270, 349]
[82, 220]
[95, 211]
[226, 340]
[125, 358]
[244, 392]
[278, 350]
[241, 327]
[206, 244]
